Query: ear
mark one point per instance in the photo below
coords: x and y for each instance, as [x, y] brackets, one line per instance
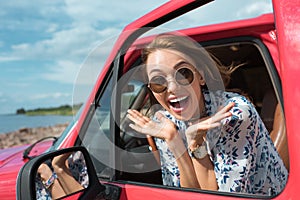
[201, 79]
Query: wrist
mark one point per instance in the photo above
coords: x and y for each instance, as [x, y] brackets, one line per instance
[171, 133]
[176, 146]
[195, 143]
[198, 152]
[49, 182]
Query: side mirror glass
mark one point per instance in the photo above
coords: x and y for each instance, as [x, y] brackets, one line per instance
[58, 174]
[61, 175]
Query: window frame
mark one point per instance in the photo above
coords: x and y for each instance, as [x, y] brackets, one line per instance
[276, 84]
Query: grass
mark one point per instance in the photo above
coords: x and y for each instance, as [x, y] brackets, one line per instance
[61, 110]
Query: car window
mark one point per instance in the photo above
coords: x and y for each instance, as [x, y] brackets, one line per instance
[255, 78]
[134, 159]
[97, 138]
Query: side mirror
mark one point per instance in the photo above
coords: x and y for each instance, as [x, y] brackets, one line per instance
[58, 174]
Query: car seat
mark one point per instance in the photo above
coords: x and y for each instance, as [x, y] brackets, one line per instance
[273, 117]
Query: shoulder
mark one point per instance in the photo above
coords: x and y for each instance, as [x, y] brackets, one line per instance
[241, 103]
[243, 111]
[235, 97]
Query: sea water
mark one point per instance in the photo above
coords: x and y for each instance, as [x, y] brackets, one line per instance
[12, 122]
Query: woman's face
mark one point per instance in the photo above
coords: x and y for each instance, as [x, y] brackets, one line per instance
[183, 101]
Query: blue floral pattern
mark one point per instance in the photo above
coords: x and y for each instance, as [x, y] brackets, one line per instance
[244, 157]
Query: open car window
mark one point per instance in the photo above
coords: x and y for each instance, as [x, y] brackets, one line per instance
[126, 155]
[255, 77]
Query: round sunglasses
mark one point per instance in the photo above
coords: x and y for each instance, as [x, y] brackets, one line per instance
[183, 76]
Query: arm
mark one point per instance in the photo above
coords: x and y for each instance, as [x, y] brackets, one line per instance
[65, 178]
[194, 173]
[239, 162]
[188, 176]
[166, 129]
[196, 133]
[55, 188]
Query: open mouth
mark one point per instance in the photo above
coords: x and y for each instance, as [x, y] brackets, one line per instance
[178, 104]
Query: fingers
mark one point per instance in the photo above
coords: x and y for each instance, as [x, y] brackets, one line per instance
[221, 114]
[213, 121]
[139, 121]
[137, 117]
[137, 128]
[201, 128]
[160, 117]
[228, 107]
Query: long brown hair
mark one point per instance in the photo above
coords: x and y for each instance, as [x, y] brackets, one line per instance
[213, 71]
[204, 60]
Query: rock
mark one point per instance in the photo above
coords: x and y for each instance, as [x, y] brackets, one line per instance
[29, 135]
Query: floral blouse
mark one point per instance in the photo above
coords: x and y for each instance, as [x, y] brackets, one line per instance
[244, 157]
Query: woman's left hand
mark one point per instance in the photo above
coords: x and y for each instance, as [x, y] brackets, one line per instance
[196, 132]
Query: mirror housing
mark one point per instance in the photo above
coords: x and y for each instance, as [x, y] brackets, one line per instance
[27, 177]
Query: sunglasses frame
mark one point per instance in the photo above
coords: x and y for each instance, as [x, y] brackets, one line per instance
[175, 75]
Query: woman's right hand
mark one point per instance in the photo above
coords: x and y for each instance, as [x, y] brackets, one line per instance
[163, 129]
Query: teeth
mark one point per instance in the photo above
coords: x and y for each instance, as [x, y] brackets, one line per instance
[178, 99]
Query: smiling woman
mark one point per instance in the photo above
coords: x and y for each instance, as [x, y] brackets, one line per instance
[218, 128]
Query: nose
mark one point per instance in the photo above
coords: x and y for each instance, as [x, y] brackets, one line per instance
[172, 85]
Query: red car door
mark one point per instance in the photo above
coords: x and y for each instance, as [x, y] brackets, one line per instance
[287, 21]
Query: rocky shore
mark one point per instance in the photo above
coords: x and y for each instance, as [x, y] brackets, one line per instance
[29, 135]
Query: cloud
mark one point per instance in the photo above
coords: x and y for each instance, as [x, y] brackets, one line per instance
[85, 69]
[9, 58]
[52, 28]
[30, 15]
[58, 37]
[255, 9]
[63, 71]
[71, 27]
[218, 12]
[73, 44]
[68, 41]
[89, 22]
[118, 12]
[3, 98]
[56, 95]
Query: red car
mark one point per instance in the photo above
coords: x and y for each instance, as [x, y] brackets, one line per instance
[267, 47]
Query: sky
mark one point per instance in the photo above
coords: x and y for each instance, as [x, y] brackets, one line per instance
[45, 44]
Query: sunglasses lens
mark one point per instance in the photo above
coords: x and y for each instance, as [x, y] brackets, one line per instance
[184, 76]
[158, 84]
